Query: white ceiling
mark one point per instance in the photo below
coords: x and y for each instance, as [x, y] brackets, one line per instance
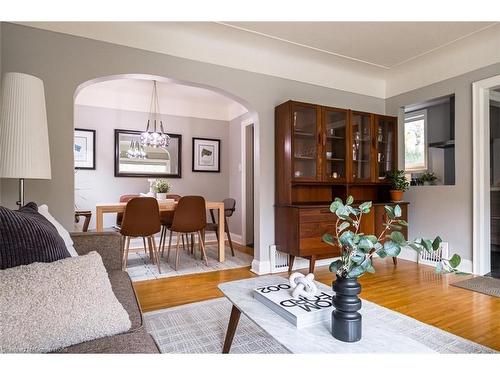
[174, 99]
[383, 44]
[379, 59]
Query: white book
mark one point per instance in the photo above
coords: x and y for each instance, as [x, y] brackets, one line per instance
[301, 312]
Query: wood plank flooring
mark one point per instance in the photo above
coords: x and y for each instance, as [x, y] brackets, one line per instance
[411, 289]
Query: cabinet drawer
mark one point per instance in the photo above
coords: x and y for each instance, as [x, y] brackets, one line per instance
[316, 215]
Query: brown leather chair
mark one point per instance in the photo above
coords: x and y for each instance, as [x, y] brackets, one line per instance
[229, 208]
[141, 219]
[119, 215]
[190, 216]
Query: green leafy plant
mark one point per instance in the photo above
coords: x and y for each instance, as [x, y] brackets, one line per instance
[358, 249]
[398, 180]
[429, 177]
[161, 186]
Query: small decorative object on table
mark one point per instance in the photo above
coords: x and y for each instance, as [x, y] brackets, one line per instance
[161, 187]
[303, 286]
[357, 250]
[399, 184]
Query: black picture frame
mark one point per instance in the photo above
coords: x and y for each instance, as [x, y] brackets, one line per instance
[198, 168]
[149, 175]
[93, 133]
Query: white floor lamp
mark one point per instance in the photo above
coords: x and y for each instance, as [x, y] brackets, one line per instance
[24, 138]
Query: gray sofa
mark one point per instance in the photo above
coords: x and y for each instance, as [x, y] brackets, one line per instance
[136, 340]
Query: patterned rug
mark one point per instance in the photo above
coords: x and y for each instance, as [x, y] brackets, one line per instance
[140, 268]
[481, 284]
[201, 328]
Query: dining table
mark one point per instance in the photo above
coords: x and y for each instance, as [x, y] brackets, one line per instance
[114, 208]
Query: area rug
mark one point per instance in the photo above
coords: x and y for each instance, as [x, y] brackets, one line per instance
[140, 268]
[201, 328]
[481, 284]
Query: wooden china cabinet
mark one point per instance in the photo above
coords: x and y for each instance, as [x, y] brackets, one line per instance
[322, 153]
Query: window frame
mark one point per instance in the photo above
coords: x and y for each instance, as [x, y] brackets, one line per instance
[408, 117]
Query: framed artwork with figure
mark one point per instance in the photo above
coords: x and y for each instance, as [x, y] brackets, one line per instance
[206, 155]
[84, 148]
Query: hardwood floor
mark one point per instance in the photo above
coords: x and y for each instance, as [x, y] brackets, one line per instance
[411, 289]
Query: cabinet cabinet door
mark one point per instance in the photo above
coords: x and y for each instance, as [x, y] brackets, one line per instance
[305, 142]
[385, 146]
[381, 218]
[361, 147]
[334, 136]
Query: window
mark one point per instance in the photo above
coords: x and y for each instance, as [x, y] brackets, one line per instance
[415, 141]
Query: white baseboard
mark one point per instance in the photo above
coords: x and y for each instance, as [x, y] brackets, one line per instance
[237, 238]
[261, 267]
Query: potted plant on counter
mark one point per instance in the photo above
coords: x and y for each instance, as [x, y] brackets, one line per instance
[161, 187]
[357, 252]
[399, 184]
[428, 178]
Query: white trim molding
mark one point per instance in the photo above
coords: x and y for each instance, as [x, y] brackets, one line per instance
[481, 256]
[261, 267]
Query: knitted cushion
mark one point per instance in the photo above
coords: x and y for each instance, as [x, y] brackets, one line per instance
[26, 237]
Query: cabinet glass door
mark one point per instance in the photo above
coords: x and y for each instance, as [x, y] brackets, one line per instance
[361, 138]
[385, 134]
[334, 144]
[305, 144]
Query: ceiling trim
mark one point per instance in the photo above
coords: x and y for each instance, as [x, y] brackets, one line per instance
[302, 45]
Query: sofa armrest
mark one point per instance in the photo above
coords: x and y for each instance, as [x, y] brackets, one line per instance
[107, 244]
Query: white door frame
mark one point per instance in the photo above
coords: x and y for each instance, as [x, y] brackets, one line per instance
[244, 124]
[481, 255]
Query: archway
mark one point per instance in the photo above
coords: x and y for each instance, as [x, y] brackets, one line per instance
[247, 115]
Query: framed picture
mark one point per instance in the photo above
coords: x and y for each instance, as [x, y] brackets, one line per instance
[135, 160]
[84, 149]
[206, 155]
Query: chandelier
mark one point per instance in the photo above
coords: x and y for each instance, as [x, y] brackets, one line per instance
[155, 135]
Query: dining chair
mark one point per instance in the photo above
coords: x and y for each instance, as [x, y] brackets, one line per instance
[119, 216]
[141, 219]
[229, 208]
[190, 216]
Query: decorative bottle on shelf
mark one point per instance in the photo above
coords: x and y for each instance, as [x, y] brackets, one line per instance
[380, 137]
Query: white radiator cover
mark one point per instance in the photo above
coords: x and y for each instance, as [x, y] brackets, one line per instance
[431, 259]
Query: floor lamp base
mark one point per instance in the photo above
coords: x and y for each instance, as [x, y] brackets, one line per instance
[20, 202]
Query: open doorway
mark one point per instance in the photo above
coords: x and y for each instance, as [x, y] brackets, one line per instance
[249, 183]
[494, 113]
[486, 179]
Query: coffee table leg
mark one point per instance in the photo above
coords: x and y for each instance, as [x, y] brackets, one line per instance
[231, 329]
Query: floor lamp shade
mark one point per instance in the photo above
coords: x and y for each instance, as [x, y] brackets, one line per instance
[24, 139]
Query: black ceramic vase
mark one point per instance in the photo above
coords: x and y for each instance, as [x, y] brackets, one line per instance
[346, 320]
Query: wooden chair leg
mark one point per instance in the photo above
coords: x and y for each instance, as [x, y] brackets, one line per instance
[125, 253]
[291, 259]
[226, 227]
[192, 243]
[395, 261]
[169, 244]
[177, 251]
[203, 249]
[156, 252]
[144, 242]
[161, 236]
[150, 250]
[183, 243]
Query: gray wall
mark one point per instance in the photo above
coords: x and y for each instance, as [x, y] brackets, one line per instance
[100, 185]
[63, 62]
[446, 210]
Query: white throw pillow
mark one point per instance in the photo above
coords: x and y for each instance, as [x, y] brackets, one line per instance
[48, 306]
[44, 210]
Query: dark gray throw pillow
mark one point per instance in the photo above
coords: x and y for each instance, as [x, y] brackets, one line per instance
[26, 237]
